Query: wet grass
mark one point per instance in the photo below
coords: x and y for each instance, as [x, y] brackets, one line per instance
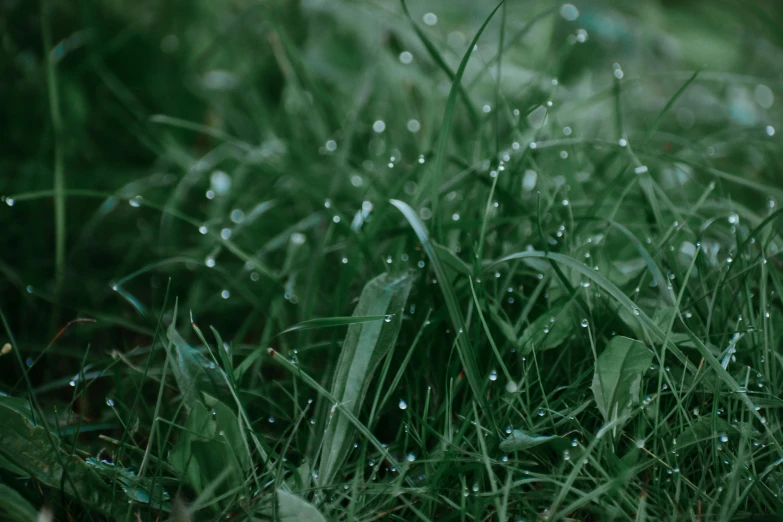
[368, 262]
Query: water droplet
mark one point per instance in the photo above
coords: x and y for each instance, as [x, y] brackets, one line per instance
[511, 387]
[225, 233]
[493, 376]
[622, 142]
[202, 229]
[636, 311]
[421, 264]
[770, 130]
[504, 458]
[210, 262]
[410, 457]
[641, 169]
[388, 318]
[379, 126]
[723, 437]
[566, 455]
[405, 57]
[569, 12]
[563, 154]
[574, 443]
[72, 383]
[135, 202]
[430, 19]
[109, 402]
[475, 487]
[541, 413]
[402, 405]
[225, 294]
[585, 323]
[9, 202]
[414, 126]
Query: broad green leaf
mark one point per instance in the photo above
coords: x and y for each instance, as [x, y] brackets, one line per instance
[519, 441]
[618, 374]
[31, 448]
[14, 507]
[211, 443]
[548, 331]
[291, 508]
[194, 373]
[365, 344]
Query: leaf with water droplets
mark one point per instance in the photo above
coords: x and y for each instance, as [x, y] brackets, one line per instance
[365, 344]
[520, 441]
[618, 374]
[551, 329]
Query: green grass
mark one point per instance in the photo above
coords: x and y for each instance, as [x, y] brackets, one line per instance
[331, 261]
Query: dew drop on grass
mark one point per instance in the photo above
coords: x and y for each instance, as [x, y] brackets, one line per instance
[109, 402]
[413, 126]
[379, 126]
[210, 262]
[723, 437]
[566, 455]
[388, 318]
[493, 376]
[421, 160]
[569, 12]
[225, 233]
[271, 420]
[135, 202]
[475, 487]
[430, 19]
[331, 145]
[9, 202]
[504, 458]
[584, 323]
[225, 294]
[402, 405]
[406, 57]
[410, 457]
[574, 443]
[511, 387]
[622, 142]
[202, 229]
[344, 260]
[770, 130]
[421, 264]
[541, 413]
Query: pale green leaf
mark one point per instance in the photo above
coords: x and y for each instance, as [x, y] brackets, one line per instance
[618, 374]
[365, 344]
[519, 441]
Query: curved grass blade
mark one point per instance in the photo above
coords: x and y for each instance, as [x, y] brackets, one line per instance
[439, 60]
[432, 183]
[600, 280]
[464, 347]
[366, 343]
[326, 322]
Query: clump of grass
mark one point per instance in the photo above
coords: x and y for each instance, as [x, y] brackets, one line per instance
[498, 263]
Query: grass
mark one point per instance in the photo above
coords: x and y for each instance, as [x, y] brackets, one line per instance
[377, 261]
